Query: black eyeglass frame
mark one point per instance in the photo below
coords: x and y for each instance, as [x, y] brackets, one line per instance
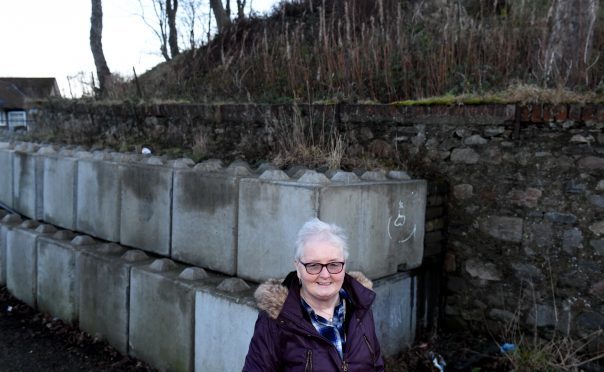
[323, 266]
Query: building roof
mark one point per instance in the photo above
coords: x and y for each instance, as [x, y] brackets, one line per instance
[15, 92]
[10, 96]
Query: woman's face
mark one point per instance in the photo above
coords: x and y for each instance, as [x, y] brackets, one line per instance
[324, 286]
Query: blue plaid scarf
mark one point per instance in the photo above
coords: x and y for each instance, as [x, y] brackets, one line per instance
[334, 330]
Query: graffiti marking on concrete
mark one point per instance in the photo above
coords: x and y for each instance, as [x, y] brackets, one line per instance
[399, 223]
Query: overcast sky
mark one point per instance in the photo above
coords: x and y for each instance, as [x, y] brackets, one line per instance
[50, 38]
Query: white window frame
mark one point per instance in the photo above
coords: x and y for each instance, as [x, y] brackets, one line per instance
[17, 119]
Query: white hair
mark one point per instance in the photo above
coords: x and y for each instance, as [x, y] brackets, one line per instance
[316, 229]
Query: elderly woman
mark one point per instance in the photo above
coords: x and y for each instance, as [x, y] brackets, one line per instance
[319, 318]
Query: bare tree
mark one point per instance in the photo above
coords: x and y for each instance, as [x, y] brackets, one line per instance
[171, 8]
[96, 46]
[240, 9]
[167, 23]
[165, 29]
[189, 21]
[160, 28]
[222, 15]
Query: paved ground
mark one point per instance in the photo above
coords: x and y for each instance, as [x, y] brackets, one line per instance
[31, 341]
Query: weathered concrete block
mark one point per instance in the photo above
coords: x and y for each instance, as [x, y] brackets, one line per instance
[270, 215]
[57, 285]
[27, 184]
[384, 221]
[162, 308]
[22, 260]
[6, 177]
[98, 199]
[204, 219]
[7, 223]
[395, 312]
[59, 191]
[104, 295]
[212, 333]
[146, 207]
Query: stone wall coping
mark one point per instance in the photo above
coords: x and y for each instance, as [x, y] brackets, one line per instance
[484, 113]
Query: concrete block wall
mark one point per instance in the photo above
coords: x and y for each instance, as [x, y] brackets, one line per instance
[59, 191]
[395, 312]
[204, 217]
[213, 330]
[235, 220]
[57, 283]
[169, 314]
[162, 308]
[383, 218]
[146, 206]
[8, 222]
[98, 198]
[27, 182]
[6, 178]
[22, 259]
[104, 291]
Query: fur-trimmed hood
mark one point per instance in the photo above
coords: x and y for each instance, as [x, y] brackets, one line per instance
[271, 295]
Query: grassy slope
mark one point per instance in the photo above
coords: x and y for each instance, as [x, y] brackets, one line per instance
[378, 51]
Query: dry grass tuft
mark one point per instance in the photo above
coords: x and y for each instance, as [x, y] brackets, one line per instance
[560, 353]
[552, 351]
[307, 140]
[526, 93]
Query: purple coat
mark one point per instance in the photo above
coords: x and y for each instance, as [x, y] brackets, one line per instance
[285, 340]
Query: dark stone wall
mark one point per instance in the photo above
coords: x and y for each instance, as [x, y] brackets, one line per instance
[516, 217]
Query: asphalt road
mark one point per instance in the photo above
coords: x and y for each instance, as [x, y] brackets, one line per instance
[30, 341]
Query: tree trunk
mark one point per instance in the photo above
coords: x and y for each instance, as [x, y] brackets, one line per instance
[569, 41]
[240, 9]
[171, 8]
[96, 46]
[222, 18]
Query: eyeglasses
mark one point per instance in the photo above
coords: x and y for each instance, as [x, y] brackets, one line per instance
[314, 268]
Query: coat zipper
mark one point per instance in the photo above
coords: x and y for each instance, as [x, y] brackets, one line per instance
[309, 352]
[308, 361]
[370, 350]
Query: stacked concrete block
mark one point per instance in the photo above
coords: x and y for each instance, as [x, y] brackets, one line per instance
[230, 220]
[272, 209]
[6, 174]
[384, 221]
[383, 218]
[146, 204]
[28, 181]
[395, 311]
[104, 291]
[98, 198]
[58, 284]
[22, 259]
[162, 308]
[213, 308]
[204, 218]
[8, 222]
[59, 192]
